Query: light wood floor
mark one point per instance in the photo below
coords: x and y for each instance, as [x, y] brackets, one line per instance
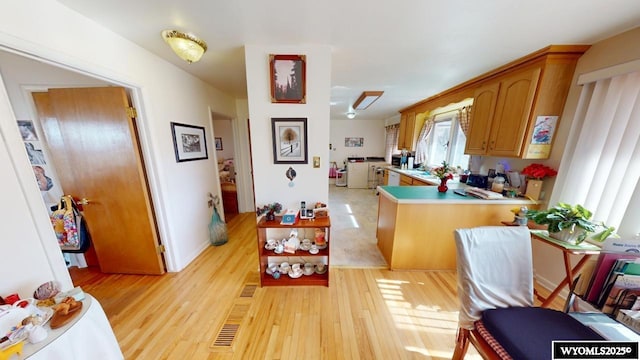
[363, 314]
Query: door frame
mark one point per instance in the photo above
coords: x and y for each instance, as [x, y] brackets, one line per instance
[33, 197]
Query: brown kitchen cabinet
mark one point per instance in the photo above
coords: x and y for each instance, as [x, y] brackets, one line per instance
[501, 115]
[306, 229]
[405, 180]
[410, 181]
[410, 126]
[385, 177]
[507, 102]
[506, 106]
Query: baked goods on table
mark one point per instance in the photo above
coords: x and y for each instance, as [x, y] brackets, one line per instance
[65, 311]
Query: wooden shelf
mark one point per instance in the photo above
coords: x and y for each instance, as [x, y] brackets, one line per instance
[264, 227]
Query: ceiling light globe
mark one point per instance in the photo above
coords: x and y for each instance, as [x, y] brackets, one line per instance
[351, 114]
[187, 46]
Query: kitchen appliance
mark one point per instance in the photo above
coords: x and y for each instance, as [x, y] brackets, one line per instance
[396, 160]
[394, 179]
[479, 181]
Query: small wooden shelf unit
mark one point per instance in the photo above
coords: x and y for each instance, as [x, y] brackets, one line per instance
[269, 229]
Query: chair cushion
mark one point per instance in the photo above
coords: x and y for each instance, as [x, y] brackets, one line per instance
[527, 332]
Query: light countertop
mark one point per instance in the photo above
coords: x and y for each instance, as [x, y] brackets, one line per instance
[430, 195]
[426, 177]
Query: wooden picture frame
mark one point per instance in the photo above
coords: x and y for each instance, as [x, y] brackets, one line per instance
[218, 141]
[189, 142]
[289, 140]
[288, 78]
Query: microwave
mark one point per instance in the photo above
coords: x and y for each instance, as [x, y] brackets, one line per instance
[396, 160]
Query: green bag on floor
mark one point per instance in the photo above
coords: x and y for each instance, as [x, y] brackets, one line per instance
[217, 229]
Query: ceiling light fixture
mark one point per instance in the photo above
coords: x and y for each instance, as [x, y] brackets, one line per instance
[351, 114]
[366, 99]
[187, 46]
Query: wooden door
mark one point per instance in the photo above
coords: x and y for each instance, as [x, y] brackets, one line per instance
[97, 156]
[513, 110]
[483, 110]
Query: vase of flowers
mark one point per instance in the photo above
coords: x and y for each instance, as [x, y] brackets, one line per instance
[269, 211]
[535, 173]
[444, 173]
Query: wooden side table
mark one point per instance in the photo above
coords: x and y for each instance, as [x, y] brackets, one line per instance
[585, 250]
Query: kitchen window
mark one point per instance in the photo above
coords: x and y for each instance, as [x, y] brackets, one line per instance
[446, 142]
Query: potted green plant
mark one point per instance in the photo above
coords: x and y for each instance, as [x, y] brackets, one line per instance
[570, 223]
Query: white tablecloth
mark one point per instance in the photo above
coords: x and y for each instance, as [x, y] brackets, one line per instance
[89, 336]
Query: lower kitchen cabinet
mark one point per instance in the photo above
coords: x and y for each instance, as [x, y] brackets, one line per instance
[316, 230]
[415, 226]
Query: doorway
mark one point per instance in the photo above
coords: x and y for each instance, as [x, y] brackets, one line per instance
[225, 154]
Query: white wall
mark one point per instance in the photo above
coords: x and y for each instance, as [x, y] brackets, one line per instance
[372, 131]
[48, 30]
[271, 184]
[26, 261]
[616, 50]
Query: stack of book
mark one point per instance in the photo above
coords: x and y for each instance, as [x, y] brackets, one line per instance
[614, 284]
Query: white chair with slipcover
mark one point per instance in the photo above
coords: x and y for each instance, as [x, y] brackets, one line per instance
[495, 288]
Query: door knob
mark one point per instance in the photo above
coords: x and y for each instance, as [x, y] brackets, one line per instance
[84, 201]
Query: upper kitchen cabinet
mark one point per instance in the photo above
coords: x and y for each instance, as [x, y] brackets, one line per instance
[506, 106]
[509, 101]
[500, 115]
[410, 126]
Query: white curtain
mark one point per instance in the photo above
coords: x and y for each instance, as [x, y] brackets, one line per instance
[421, 145]
[391, 145]
[601, 164]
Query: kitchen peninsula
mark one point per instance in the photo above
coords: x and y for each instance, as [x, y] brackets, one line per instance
[416, 224]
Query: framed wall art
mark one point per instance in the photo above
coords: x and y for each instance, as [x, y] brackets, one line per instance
[288, 78]
[289, 140]
[218, 143]
[189, 141]
[353, 142]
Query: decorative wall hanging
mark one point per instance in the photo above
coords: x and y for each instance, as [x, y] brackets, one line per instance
[288, 78]
[291, 174]
[289, 140]
[218, 143]
[353, 142]
[542, 137]
[189, 141]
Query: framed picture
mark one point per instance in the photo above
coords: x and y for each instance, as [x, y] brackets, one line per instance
[289, 140]
[353, 142]
[288, 79]
[218, 143]
[189, 142]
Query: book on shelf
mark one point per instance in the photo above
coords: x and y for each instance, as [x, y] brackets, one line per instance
[583, 281]
[603, 268]
[622, 294]
[620, 266]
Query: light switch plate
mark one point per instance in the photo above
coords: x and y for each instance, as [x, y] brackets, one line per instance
[316, 161]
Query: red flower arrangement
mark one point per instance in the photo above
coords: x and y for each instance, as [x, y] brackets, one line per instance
[443, 172]
[538, 171]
